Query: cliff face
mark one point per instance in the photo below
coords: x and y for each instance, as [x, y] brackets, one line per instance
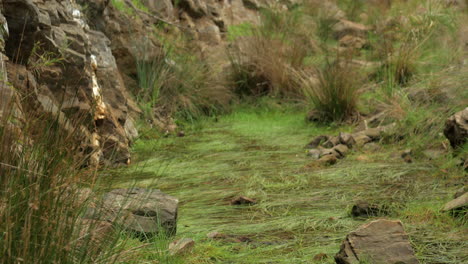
[75, 60]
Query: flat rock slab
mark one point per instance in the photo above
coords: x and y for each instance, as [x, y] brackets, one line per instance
[141, 211]
[378, 242]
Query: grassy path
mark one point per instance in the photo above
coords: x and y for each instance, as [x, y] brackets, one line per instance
[302, 210]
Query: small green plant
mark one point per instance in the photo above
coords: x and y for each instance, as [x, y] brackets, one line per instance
[41, 58]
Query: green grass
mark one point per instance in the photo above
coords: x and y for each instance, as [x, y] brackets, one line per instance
[302, 210]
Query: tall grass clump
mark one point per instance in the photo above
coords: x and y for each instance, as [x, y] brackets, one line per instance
[262, 59]
[40, 206]
[176, 82]
[332, 91]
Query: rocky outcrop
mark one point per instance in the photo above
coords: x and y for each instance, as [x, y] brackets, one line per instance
[456, 128]
[64, 69]
[378, 242]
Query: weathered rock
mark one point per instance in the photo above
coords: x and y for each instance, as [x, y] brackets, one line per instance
[216, 235]
[361, 139]
[314, 153]
[327, 152]
[342, 150]
[328, 160]
[364, 209]
[346, 139]
[456, 128]
[331, 142]
[141, 211]
[317, 141]
[181, 246]
[243, 200]
[458, 204]
[378, 242]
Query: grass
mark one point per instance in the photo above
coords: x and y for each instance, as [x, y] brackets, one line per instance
[302, 209]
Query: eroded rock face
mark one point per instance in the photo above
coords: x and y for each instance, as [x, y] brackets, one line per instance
[456, 128]
[66, 69]
[378, 242]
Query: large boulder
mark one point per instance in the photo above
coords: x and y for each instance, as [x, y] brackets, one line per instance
[378, 242]
[456, 128]
[144, 212]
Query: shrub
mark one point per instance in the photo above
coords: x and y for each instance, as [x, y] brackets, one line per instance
[262, 60]
[332, 91]
[178, 83]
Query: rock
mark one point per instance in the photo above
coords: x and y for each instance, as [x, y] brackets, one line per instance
[314, 153]
[373, 133]
[345, 27]
[342, 150]
[328, 160]
[361, 139]
[243, 200]
[456, 128]
[216, 235]
[458, 204]
[143, 212]
[364, 209]
[330, 151]
[346, 139]
[378, 242]
[181, 246]
[317, 141]
[331, 142]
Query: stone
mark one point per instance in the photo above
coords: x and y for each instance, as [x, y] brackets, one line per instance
[328, 160]
[331, 142]
[342, 150]
[458, 204]
[378, 242]
[346, 139]
[216, 235]
[361, 139]
[181, 246]
[314, 153]
[143, 212]
[181, 133]
[456, 128]
[330, 151]
[243, 200]
[365, 210]
[317, 141]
